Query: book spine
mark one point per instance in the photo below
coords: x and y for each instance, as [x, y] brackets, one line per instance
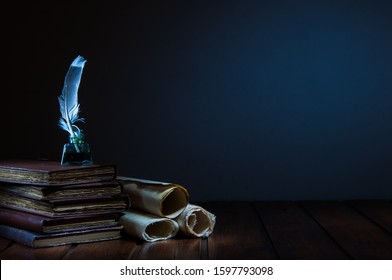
[18, 235]
[22, 220]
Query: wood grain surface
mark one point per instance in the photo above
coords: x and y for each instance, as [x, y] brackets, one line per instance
[303, 230]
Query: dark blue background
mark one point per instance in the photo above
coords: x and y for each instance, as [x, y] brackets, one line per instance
[232, 99]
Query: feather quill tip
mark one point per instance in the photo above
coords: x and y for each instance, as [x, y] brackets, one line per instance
[79, 61]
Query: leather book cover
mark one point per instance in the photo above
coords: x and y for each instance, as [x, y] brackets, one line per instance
[42, 224]
[65, 207]
[87, 190]
[37, 240]
[47, 172]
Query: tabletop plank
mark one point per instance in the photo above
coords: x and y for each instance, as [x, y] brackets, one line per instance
[4, 243]
[176, 248]
[379, 211]
[21, 252]
[118, 249]
[360, 237]
[238, 233]
[295, 234]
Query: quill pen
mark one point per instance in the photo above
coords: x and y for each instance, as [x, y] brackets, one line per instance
[68, 100]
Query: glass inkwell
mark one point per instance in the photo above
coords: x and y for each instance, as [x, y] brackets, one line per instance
[76, 152]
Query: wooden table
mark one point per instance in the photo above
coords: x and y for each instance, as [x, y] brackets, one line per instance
[305, 230]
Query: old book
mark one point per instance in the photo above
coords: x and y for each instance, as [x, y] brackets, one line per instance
[42, 224]
[87, 190]
[46, 172]
[38, 240]
[65, 207]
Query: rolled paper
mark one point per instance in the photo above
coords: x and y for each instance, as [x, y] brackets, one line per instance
[157, 198]
[195, 221]
[148, 227]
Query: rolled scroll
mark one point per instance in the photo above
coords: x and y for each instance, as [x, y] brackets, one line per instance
[195, 221]
[158, 198]
[148, 227]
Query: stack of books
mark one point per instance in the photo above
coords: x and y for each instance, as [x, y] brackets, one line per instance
[43, 203]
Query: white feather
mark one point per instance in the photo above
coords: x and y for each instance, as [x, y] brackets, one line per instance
[68, 100]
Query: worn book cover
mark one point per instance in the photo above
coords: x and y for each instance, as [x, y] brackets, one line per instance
[42, 224]
[64, 207]
[87, 190]
[38, 240]
[46, 172]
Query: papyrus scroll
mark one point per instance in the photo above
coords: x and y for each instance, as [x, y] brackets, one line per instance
[158, 198]
[148, 227]
[160, 210]
[195, 221]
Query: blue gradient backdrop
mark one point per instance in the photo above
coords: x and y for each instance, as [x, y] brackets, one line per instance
[232, 99]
